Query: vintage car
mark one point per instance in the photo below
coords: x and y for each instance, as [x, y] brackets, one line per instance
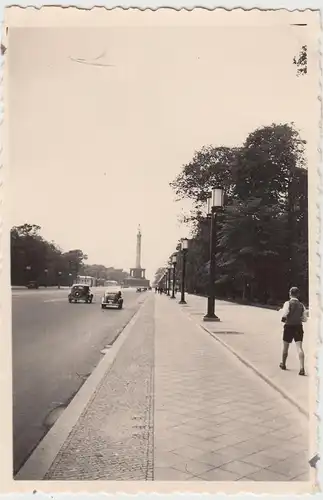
[112, 298]
[80, 292]
[32, 285]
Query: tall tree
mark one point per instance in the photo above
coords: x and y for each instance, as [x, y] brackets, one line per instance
[28, 252]
[159, 274]
[210, 166]
[35, 259]
[73, 262]
[262, 232]
[270, 166]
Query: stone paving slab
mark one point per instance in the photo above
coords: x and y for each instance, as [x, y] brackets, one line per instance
[257, 337]
[215, 419]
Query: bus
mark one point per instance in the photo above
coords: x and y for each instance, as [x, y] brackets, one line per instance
[111, 283]
[86, 280]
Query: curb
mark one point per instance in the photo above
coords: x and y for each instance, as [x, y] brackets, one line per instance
[247, 304]
[253, 368]
[41, 459]
[258, 372]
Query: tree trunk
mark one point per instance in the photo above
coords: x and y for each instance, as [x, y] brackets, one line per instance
[252, 290]
[244, 289]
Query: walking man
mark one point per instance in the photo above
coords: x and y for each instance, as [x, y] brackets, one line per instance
[293, 315]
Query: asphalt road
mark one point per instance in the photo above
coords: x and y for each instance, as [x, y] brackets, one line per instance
[56, 345]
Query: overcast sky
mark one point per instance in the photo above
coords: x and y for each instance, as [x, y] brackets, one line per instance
[93, 148]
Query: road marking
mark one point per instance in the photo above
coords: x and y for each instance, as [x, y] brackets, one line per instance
[56, 300]
[31, 295]
[64, 299]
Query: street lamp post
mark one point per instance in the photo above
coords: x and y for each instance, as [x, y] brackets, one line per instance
[184, 246]
[59, 279]
[214, 203]
[28, 277]
[169, 271]
[174, 262]
[209, 207]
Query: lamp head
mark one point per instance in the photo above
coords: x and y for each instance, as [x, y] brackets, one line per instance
[217, 197]
[184, 244]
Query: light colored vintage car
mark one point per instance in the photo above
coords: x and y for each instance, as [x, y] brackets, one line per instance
[112, 298]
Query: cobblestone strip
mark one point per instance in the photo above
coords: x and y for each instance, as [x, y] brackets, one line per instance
[150, 419]
[113, 437]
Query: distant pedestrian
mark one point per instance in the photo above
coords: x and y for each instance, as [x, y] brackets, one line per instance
[161, 290]
[293, 315]
[156, 289]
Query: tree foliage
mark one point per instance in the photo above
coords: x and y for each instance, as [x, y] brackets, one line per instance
[301, 61]
[210, 166]
[262, 233]
[159, 275]
[33, 258]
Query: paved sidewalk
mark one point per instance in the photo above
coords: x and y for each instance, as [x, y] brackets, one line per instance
[177, 406]
[255, 334]
[215, 419]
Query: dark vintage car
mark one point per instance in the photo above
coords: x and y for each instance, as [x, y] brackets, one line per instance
[80, 293]
[112, 298]
[32, 285]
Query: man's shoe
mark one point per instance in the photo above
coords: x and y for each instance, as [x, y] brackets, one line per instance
[282, 366]
[302, 372]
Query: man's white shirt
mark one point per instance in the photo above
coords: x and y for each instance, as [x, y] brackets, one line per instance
[285, 309]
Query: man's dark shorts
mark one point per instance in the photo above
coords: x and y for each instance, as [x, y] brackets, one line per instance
[293, 332]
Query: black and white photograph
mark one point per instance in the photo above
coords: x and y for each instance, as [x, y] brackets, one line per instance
[161, 201]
